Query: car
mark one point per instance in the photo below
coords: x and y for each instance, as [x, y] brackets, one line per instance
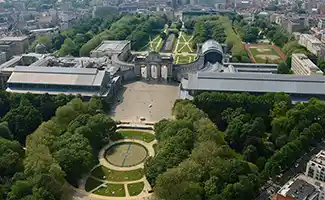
[150, 105]
[142, 118]
[296, 165]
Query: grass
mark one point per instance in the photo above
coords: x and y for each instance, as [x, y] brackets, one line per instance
[135, 188]
[185, 49]
[139, 135]
[92, 184]
[272, 51]
[115, 190]
[118, 176]
[179, 59]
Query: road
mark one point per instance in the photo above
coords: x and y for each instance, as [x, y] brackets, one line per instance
[299, 167]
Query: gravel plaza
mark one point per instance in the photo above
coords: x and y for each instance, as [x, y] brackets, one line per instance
[151, 101]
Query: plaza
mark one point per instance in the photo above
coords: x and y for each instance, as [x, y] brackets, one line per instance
[148, 100]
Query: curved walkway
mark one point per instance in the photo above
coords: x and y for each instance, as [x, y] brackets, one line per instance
[81, 194]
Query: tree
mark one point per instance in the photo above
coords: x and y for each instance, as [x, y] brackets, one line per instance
[283, 68]
[250, 153]
[23, 120]
[163, 35]
[321, 65]
[173, 186]
[4, 131]
[45, 40]
[68, 48]
[74, 154]
[179, 25]
[102, 129]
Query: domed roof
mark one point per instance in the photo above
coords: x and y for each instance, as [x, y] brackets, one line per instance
[40, 48]
[211, 45]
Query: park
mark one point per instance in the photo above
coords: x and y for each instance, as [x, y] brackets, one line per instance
[120, 172]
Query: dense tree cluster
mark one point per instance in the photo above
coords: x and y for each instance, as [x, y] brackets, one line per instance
[140, 36]
[70, 41]
[262, 136]
[208, 27]
[193, 160]
[219, 28]
[24, 112]
[137, 28]
[59, 150]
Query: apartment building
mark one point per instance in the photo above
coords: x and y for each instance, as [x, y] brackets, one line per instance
[313, 44]
[316, 167]
[302, 65]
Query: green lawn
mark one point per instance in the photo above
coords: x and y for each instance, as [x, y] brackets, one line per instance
[115, 190]
[187, 37]
[135, 188]
[139, 135]
[92, 184]
[113, 175]
[179, 59]
[186, 48]
[271, 51]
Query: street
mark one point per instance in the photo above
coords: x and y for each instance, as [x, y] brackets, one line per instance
[273, 186]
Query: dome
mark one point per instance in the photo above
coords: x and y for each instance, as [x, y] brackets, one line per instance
[212, 52]
[40, 48]
[211, 45]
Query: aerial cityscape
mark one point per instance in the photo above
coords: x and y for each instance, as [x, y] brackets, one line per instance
[162, 100]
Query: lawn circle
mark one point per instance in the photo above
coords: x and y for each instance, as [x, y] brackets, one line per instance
[126, 154]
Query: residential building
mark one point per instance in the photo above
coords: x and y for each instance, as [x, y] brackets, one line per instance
[14, 45]
[301, 187]
[302, 65]
[313, 44]
[316, 167]
[296, 24]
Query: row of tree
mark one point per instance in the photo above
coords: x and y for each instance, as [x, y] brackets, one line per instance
[206, 28]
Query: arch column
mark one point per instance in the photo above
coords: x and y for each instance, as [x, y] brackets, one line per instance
[159, 72]
[148, 69]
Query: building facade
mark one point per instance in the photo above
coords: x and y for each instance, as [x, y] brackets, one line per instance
[56, 80]
[14, 45]
[316, 167]
[302, 65]
[154, 66]
[313, 45]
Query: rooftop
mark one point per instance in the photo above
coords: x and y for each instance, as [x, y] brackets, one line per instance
[13, 38]
[57, 76]
[307, 62]
[209, 45]
[112, 45]
[256, 82]
[301, 187]
[311, 38]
